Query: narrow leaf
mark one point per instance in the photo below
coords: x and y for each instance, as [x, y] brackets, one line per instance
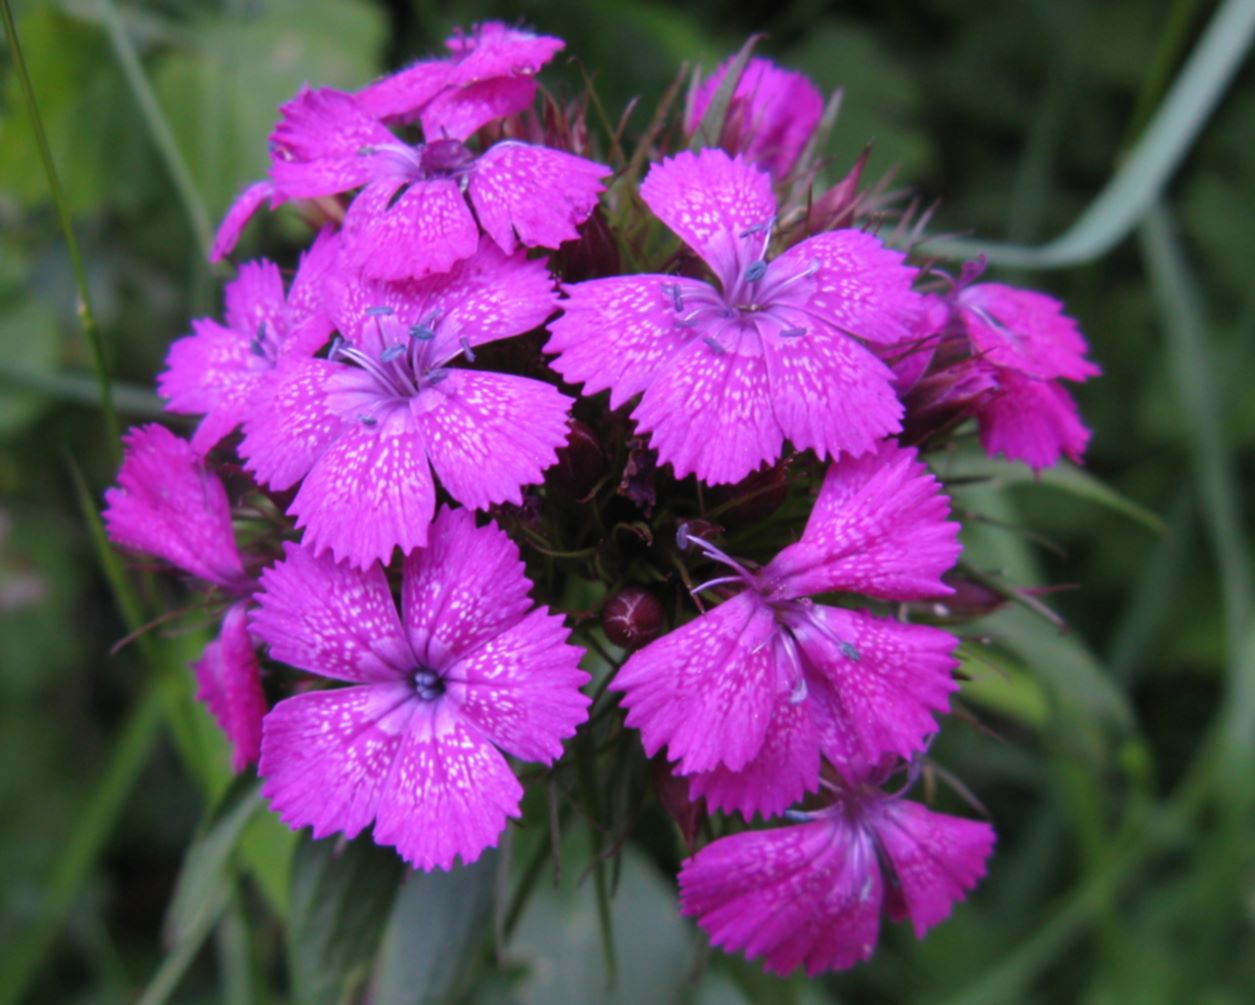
[711, 125]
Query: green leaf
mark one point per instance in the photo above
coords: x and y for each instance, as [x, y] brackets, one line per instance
[207, 865]
[711, 125]
[967, 465]
[341, 894]
[434, 937]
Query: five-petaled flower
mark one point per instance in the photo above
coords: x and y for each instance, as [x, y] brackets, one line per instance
[772, 349]
[467, 672]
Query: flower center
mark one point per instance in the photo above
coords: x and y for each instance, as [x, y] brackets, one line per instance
[444, 158]
[428, 684]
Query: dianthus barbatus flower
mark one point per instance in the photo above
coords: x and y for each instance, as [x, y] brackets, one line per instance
[468, 672]
[772, 114]
[771, 350]
[811, 894]
[488, 75]
[214, 371]
[168, 504]
[412, 216]
[364, 428]
[749, 696]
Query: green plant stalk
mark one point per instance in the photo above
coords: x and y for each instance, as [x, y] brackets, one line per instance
[1132, 190]
[86, 315]
[24, 955]
[129, 399]
[158, 128]
[166, 980]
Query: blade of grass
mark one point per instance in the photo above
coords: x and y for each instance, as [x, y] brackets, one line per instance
[1193, 366]
[1141, 178]
[86, 315]
[166, 980]
[158, 128]
[82, 389]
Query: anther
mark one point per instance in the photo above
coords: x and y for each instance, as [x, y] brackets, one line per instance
[368, 420]
[673, 291]
[428, 684]
[849, 652]
[465, 343]
[436, 376]
[422, 333]
[756, 271]
[391, 353]
[793, 333]
[713, 342]
[382, 311]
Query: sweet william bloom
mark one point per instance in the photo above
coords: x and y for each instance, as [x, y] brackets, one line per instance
[770, 350]
[413, 215]
[811, 894]
[168, 504]
[753, 695]
[771, 117]
[467, 672]
[488, 75]
[362, 430]
[214, 371]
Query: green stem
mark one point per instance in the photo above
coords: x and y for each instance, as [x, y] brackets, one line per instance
[1141, 178]
[82, 389]
[158, 128]
[86, 315]
[24, 955]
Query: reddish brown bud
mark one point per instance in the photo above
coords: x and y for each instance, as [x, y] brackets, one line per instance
[753, 498]
[673, 794]
[970, 599]
[632, 618]
[581, 462]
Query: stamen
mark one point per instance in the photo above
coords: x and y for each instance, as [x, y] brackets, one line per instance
[756, 271]
[392, 352]
[684, 539]
[711, 341]
[428, 684]
[792, 333]
[849, 652]
[674, 292]
[382, 311]
[436, 376]
[365, 151]
[715, 582]
[465, 343]
[368, 420]
[422, 333]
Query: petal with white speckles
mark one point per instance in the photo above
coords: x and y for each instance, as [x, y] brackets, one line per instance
[521, 688]
[449, 793]
[710, 199]
[237, 216]
[325, 755]
[936, 859]
[784, 770]
[534, 192]
[616, 333]
[706, 690]
[828, 393]
[1024, 331]
[859, 286]
[875, 685]
[331, 619]
[424, 229]
[1034, 421]
[290, 425]
[708, 410]
[878, 528]
[371, 491]
[466, 586]
[168, 504]
[807, 895]
[489, 434]
[317, 147]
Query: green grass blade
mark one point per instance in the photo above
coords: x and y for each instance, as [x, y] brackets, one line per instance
[86, 315]
[79, 388]
[158, 128]
[1132, 190]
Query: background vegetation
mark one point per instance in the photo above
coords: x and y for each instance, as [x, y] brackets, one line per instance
[1115, 759]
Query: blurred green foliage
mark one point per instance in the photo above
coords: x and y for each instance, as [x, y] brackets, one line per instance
[1114, 759]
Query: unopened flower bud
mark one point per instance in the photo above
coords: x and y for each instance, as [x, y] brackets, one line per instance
[753, 498]
[632, 618]
[581, 462]
[673, 794]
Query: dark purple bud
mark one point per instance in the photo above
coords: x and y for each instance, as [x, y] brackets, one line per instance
[673, 794]
[970, 599]
[632, 618]
[581, 462]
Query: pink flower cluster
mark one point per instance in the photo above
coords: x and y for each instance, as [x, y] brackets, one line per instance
[352, 426]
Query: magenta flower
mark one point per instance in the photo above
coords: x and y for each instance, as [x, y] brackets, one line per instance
[811, 894]
[489, 75]
[750, 696]
[469, 672]
[412, 216]
[166, 503]
[770, 350]
[364, 427]
[772, 114]
[214, 371]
